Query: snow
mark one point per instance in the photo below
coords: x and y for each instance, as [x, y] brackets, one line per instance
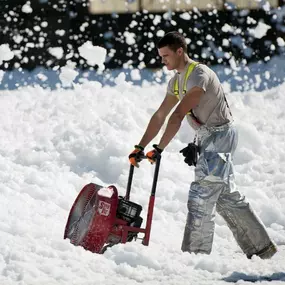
[26, 8]
[60, 32]
[130, 38]
[266, 6]
[67, 74]
[185, 16]
[44, 24]
[227, 28]
[1, 75]
[93, 54]
[55, 142]
[156, 20]
[135, 74]
[280, 42]
[17, 39]
[42, 77]
[5, 53]
[259, 31]
[83, 27]
[106, 192]
[37, 28]
[56, 52]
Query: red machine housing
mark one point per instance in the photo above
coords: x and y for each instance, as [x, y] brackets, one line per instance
[99, 218]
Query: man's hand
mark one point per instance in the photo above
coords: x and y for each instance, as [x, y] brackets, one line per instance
[190, 152]
[154, 154]
[137, 155]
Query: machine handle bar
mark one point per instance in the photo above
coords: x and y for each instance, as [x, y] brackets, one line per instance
[155, 177]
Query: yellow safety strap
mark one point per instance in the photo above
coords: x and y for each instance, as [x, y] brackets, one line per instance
[187, 74]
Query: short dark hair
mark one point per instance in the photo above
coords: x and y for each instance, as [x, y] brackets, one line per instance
[174, 40]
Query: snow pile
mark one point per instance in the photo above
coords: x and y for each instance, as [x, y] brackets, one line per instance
[55, 142]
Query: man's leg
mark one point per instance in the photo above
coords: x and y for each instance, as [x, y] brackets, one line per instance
[246, 227]
[211, 178]
[199, 229]
[215, 187]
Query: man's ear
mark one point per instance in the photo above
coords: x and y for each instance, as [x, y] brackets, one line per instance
[180, 51]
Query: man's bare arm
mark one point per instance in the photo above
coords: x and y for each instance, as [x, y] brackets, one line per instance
[190, 101]
[157, 120]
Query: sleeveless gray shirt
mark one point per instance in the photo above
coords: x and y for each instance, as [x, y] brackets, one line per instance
[212, 109]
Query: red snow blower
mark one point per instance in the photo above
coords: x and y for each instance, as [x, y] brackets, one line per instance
[99, 218]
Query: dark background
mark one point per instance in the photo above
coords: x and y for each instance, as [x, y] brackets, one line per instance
[107, 31]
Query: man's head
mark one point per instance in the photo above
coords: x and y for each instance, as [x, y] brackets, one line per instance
[172, 48]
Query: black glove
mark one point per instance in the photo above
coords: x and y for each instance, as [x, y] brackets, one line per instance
[190, 153]
[154, 154]
[136, 155]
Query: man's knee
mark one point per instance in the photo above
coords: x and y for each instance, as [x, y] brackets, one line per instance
[231, 200]
[201, 192]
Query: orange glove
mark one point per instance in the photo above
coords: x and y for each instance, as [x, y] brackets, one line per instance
[154, 154]
[137, 155]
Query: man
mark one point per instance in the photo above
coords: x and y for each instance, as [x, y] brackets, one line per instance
[198, 94]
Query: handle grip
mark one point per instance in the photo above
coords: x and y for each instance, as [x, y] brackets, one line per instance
[155, 177]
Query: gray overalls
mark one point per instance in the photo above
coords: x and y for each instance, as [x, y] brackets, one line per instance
[214, 189]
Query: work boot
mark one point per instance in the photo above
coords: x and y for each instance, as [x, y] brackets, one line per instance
[266, 252]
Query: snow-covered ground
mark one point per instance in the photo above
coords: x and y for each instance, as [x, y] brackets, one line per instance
[53, 142]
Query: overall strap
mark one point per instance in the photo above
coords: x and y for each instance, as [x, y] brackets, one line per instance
[176, 87]
[187, 74]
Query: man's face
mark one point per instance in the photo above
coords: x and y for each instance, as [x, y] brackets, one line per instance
[170, 58]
